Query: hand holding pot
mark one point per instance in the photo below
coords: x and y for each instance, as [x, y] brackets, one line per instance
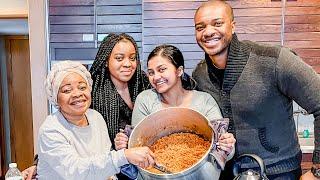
[226, 142]
[121, 141]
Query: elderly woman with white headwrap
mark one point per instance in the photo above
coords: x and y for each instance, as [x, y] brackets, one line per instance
[73, 143]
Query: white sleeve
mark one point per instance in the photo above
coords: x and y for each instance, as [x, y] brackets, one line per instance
[55, 150]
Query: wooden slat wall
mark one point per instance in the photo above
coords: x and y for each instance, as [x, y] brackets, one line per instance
[171, 21]
[69, 20]
[121, 16]
[154, 22]
[302, 30]
[258, 21]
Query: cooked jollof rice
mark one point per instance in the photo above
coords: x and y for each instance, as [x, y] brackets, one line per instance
[179, 151]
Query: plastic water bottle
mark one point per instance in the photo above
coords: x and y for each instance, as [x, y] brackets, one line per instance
[13, 173]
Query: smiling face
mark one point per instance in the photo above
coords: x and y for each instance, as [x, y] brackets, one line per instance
[74, 96]
[214, 27]
[122, 62]
[163, 75]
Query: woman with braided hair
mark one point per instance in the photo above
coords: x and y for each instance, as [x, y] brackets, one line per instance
[117, 80]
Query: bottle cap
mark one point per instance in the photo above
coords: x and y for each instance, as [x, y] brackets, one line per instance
[12, 165]
[306, 133]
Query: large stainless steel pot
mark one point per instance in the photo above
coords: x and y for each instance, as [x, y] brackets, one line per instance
[173, 120]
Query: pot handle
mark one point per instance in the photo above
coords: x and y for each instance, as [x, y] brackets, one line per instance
[127, 130]
[256, 158]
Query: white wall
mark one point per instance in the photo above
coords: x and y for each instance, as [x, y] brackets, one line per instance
[38, 63]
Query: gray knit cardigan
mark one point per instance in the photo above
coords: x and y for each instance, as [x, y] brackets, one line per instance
[259, 86]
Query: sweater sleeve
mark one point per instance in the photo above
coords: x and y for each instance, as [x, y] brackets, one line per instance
[61, 156]
[300, 82]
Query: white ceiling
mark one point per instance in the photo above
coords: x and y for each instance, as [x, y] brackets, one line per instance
[14, 27]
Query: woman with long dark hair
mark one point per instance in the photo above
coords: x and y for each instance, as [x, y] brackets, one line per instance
[172, 87]
[117, 80]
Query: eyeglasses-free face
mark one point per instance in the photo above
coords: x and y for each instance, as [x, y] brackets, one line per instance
[163, 75]
[74, 96]
[122, 62]
[214, 27]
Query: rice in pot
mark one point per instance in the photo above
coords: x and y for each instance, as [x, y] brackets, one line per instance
[179, 151]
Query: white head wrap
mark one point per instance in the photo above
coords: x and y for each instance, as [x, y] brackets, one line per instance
[58, 72]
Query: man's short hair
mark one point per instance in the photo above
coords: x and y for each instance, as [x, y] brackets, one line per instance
[221, 2]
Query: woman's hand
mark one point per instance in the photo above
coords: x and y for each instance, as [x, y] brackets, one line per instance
[30, 173]
[140, 156]
[121, 141]
[226, 142]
